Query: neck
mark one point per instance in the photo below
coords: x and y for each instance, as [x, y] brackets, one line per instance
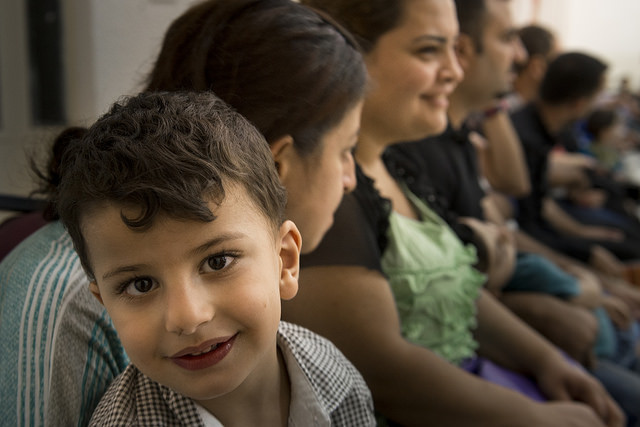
[526, 88]
[459, 109]
[555, 118]
[369, 150]
[268, 396]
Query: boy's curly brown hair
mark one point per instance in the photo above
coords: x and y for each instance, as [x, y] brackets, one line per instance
[165, 153]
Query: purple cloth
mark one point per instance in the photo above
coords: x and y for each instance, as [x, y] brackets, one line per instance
[17, 228]
[496, 374]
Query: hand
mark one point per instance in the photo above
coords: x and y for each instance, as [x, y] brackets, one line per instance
[560, 380]
[568, 415]
[595, 232]
[628, 293]
[619, 312]
[501, 251]
[605, 262]
[588, 198]
[580, 272]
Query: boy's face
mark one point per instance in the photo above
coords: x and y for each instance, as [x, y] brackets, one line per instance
[196, 304]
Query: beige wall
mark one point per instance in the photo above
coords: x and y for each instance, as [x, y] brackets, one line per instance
[606, 28]
[109, 46]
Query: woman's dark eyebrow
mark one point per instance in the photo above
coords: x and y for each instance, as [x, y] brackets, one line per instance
[428, 37]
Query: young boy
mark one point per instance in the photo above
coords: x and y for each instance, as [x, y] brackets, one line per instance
[177, 214]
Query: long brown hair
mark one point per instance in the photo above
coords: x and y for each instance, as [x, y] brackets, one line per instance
[289, 70]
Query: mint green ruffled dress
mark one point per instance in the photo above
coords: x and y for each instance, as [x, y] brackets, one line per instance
[433, 281]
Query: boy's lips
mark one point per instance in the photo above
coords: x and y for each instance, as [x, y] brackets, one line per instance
[204, 355]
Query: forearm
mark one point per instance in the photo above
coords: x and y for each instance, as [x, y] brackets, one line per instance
[508, 341]
[527, 243]
[560, 220]
[503, 159]
[571, 328]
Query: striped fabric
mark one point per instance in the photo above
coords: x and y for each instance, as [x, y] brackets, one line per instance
[59, 350]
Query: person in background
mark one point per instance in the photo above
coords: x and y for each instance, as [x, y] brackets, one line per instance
[542, 46]
[393, 287]
[456, 165]
[563, 99]
[61, 350]
[606, 129]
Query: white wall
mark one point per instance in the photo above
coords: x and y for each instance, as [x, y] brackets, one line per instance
[109, 46]
[607, 29]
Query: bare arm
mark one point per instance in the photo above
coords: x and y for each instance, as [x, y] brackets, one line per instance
[354, 307]
[502, 158]
[498, 330]
[571, 328]
[564, 223]
[567, 170]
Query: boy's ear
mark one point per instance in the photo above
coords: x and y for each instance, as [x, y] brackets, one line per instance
[290, 244]
[283, 150]
[93, 287]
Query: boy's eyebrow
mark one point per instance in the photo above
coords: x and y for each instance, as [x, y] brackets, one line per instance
[120, 270]
[216, 241]
[202, 248]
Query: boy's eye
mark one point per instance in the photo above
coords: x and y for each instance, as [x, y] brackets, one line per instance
[138, 286]
[218, 262]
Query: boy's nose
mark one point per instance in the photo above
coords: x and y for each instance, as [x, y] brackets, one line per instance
[187, 308]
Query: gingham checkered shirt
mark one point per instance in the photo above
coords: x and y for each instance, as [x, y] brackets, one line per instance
[133, 399]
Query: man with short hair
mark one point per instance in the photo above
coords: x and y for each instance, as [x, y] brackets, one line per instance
[568, 90]
[542, 46]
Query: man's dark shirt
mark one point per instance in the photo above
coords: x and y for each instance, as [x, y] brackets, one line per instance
[536, 143]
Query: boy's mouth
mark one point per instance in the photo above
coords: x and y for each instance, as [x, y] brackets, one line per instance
[205, 355]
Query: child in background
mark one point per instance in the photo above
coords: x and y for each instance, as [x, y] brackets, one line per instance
[177, 213]
[606, 130]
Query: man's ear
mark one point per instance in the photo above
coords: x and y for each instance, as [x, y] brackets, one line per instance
[290, 244]
[465, 51]
[93, 287]
[537, 66]
[282, 150]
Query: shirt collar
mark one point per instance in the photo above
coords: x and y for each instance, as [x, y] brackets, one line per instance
[305, 408]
